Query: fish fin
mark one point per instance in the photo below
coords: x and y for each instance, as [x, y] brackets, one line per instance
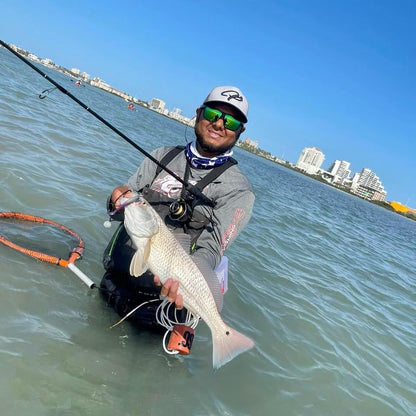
[227, 344]
[138, 263]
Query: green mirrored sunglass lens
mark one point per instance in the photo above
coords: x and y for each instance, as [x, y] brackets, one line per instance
[211, 114]
[231, 123]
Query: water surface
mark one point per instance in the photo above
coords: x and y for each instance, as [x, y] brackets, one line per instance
[323, 281]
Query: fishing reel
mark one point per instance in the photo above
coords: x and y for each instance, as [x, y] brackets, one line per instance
[180, 211]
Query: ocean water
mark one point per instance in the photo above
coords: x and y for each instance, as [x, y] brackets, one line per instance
[323, 281]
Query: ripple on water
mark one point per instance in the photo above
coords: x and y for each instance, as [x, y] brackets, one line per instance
[321, 280]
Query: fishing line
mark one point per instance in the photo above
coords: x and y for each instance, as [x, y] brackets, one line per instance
[189, 187]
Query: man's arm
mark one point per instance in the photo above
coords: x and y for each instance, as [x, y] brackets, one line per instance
[230, 216]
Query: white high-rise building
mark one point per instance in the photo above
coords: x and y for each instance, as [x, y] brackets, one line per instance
[368, 185]
[176, 111]
[354, 182]
[158, 104]
[340, 170]
[369, 179]
[310, 160]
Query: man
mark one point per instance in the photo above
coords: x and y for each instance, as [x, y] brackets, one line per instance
[210, 228]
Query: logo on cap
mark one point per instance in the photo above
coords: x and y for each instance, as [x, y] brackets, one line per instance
[232, 95]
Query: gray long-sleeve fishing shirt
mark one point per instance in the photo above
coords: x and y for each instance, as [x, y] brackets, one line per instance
[231, 190]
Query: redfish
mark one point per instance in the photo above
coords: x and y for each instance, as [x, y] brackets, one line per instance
[159, 251]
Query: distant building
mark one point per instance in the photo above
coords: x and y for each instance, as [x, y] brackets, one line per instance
[157, 104]
[176, 112]
[368, 185]
[369, 179]
[251, 143]
[47, 62]
[33, 57]
[191, 122]
[340, 171]
[310, 160]
[97, 82]
[370, 194]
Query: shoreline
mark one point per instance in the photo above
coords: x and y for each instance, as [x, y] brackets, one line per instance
[410, 213]
[384, 204]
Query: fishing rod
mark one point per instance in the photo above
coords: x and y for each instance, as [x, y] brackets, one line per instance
[189, 187]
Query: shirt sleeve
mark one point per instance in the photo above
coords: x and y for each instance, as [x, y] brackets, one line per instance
[230, 215]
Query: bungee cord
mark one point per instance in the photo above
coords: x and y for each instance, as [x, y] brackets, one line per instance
[177, 344]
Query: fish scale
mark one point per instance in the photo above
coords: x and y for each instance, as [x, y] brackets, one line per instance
[158, 250]
[168, 259]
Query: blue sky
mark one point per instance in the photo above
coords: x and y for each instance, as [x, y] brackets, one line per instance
[338, 75]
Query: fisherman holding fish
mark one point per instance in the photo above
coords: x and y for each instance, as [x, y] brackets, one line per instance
[203, 229]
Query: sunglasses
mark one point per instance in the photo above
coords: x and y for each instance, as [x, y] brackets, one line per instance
[213, 115]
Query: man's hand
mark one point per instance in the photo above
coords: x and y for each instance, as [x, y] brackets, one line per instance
[170, 290]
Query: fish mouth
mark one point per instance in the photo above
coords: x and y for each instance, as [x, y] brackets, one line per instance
[136, 199]
[140, 202]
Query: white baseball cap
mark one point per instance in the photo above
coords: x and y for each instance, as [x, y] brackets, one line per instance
[232, 96]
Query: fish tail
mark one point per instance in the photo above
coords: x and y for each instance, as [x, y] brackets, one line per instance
[227, 344]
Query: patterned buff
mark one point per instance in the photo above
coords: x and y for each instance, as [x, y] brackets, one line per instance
[201, 162]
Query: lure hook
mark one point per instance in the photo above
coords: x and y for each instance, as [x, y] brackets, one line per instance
[46, 92]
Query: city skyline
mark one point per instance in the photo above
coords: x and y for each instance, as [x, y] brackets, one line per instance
[157, 104]
[315, 74]
[365, 184]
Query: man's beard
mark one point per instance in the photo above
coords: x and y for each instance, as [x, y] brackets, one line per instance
[206, 147]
